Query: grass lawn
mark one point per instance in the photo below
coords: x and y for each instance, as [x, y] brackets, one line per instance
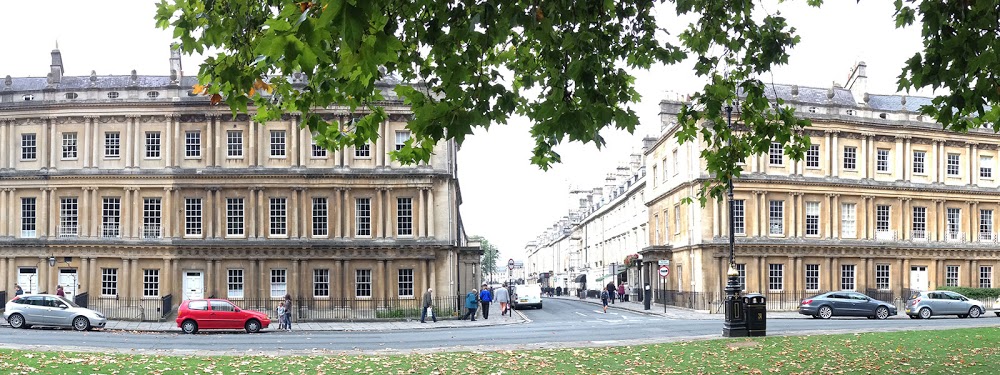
[964, 351]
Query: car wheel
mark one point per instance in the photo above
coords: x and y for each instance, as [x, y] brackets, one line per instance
[252, 326]
[825, 312]
[189, 326]
[16, 321]
[974, 312]
[882, 312]
[925, 313]
[81, 323]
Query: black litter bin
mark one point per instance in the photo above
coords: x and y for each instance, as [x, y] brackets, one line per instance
[756, 310]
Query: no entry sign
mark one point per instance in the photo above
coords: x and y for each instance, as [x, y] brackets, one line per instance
[664, 271]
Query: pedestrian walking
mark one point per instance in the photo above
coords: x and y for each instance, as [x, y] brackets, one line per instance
[471, 304]
[502, 297]
[604, 299]
[288, 312]
[17, 290]
[485, 297]
[280, 313]
[611, 291]
[428, 306]
[621, 292]
[59, 291]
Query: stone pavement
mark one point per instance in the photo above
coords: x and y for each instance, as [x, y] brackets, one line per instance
[495, 320]
[681, 313]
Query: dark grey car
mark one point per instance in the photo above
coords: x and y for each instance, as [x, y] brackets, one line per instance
[846, 303]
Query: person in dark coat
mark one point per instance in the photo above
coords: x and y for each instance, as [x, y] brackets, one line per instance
[428, 305]
[17, 290]
[485, 297]
[288, 312]
[611, 291]
[471, 304]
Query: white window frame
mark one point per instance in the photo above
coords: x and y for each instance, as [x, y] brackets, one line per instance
[152, 217]
[918, 224]
[986, 276]
[320, 217]
[234, 144]
[192, 144]
[404, 282]
[401, 137]
[363, 152]
[883, 273]
[317, 151]
[776, 155]
[848, 280]
[112, 145]
[951, 275]
[776, 277]
[985, 166]
[883, 217]
[29, 147]
[812, 219]
[192, 217]
[363, 283]
[739, 217]
[776, 217]
[848, 220]
[404, 216]
[953, 220]
[812, 156]
[882, 160]
[111, 217]
[150, 283]
[741, 271]
[954, 164]
[29, 217]
[69, 216]
[235, 211]
[70, 151]
[279, 282]
[812, 277]
[235, 286]
[851, 157]
[278, 214]
[321, 283]
[109, 282]
[363, 217]
[986, 224]
[919, 157]
[153, 145]
[278, 139]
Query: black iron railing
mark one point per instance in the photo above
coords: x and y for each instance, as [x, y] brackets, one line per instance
[82, 299]
[141, 309]
[3, 299]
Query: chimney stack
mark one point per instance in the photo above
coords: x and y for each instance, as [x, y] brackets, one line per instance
[56, 69]
[176, 72]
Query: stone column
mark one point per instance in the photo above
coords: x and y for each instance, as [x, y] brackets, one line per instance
[973, 161]
[974, 274]
[862, 275]
[220, 213]
[293, 282]
[293, 134]
[973, 232]
[220, 281]
[387, 283]
[4, 276]
[906, 273]
[95, 140]
[166, 279]
[168, 214]
[136, 280]
[49, 153]
[293, 213]
[209, 278]
[431, 217]
[336, 208]
[345, 290]
[376, 217]
[93, 277]
[379, 277]
[349, 207]
[125, 279]
[5, 135]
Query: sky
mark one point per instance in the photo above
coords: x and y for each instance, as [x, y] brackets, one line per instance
[504, 198]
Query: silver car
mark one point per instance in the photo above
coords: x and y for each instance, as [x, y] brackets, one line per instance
[923, 305]
[25, 311]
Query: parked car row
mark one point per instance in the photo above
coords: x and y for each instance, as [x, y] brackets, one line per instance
[25, 311]
[919, 305]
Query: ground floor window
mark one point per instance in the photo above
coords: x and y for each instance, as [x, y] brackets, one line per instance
[279, 283]
[847, 277]
[951, 276]
[362, 283]
[150, 283]
[882, 276]
[405, 282]
[321, 283]
[776, 277]
[812, 277]
[741, 270]
[986, 276]
[109, 281]
[234, 283]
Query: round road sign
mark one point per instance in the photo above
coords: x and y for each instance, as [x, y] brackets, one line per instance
[510, 264]
[664, 271]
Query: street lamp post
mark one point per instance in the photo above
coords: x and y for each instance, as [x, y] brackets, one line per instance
[736, 323]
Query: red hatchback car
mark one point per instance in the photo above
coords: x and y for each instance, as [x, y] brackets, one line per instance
[197, 314]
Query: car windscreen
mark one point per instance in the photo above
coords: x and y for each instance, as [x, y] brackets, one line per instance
[66, 301]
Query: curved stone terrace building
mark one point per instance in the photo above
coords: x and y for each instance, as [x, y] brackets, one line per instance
[128, 188]
[884, 202]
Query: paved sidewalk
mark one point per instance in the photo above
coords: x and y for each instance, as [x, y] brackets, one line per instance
[680, 313]
[495, 320]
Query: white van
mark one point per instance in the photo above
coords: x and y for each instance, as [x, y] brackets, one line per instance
[529, 295]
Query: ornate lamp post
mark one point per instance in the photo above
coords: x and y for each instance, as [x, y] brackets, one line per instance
[736, 323]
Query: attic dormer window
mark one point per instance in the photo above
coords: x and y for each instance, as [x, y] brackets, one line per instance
[71, 95]
[28, 97]
[850, 112]
[113, 95]
[812, 109]
[153, 94]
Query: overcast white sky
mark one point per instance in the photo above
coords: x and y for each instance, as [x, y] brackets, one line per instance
[505, 199]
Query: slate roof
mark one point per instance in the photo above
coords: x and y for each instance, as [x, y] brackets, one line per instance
[844, 97]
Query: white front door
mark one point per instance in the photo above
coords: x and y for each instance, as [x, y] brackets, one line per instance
[27, 278]
[918, 278]
[194, 285]
[68, 280]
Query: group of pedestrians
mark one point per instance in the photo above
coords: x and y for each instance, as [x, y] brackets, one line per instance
[284, 313]
[610, 293]
[481, 299]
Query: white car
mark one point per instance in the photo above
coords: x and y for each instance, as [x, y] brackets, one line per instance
[529, 295]
[996, 307]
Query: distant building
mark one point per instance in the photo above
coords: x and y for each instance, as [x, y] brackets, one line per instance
[130, 187]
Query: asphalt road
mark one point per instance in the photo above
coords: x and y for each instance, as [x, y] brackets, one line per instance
[561, 323]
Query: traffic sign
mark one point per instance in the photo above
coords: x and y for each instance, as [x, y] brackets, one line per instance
[510, 264]
[664, 271]
[663, 262]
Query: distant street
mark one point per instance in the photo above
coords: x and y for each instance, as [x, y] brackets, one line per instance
[560, 323]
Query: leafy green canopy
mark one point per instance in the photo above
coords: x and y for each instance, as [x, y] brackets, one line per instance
[561, 63]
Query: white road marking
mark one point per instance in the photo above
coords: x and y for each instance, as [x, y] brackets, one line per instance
[580, 313]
